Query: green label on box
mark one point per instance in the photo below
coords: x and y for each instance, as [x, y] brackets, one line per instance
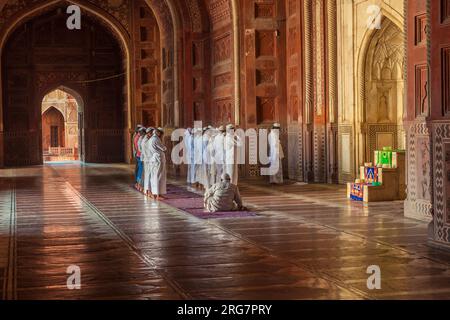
[383, 158]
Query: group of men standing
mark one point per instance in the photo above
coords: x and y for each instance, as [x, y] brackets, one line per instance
[211, 152]
[211, 155]
[150, 154]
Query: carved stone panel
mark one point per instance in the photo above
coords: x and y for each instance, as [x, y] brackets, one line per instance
[422, 88]
[446, 79]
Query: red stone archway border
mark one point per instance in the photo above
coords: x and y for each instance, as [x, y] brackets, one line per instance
[111, 22]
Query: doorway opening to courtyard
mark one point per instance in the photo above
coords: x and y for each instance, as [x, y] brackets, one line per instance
[62, 126]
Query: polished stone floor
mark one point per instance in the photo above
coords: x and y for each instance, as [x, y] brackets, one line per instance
[307, 242]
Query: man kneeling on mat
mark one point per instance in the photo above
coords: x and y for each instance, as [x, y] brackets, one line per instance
[223, 196]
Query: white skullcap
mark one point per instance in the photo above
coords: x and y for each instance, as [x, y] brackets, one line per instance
[225, 177]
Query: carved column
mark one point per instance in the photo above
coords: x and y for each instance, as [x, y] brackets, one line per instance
[419, 180]
[439, 69]
[294, 75]
[320, 99]
[309, 95]
[332, 132]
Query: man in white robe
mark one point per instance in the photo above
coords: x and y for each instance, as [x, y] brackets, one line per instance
[158, 164]
[276, 155]
[208, 153]
[147, 157]
[219, 152]
[140, 180]
[212, 157]
[223, 196]
[231, 152]
[190, 161]
[203, 173]
[142, 143]
[198, 156]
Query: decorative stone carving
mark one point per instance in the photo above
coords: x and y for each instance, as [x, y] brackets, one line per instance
[220, 12]
[222, 48]
[194, 13]
[441, 147]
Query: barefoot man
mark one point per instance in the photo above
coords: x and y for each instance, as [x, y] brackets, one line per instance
[147, 158]
[158, 165]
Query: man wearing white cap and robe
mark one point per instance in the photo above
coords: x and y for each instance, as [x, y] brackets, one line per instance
[146, 158]
[219, 152]
[231, 145]
[276, 154]
[203, 173]
[208, 153]
[142, 143]
[213, 132]
[189, 147]
[198, 156]
[158, 164]
[223, 196]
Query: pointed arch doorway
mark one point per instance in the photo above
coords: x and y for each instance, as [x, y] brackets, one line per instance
[62, 126]
[381, 95]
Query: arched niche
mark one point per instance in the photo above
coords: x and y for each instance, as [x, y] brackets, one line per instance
[380, 103]
[53, 129]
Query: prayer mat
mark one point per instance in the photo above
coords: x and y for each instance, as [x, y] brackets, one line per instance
[174, 192]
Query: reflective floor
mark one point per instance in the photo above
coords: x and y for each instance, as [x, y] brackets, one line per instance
[308, 242]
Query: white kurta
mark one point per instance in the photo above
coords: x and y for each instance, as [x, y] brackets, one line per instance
[158, 166]
[211, 155]
[198, 157]
[134, 146]
[189, 147]
[276, 155]
[231, 165]
[222, 196]
[219, 155]
[146, 158]
[208, 168]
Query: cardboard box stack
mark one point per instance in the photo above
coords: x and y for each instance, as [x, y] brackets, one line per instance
[383, 180]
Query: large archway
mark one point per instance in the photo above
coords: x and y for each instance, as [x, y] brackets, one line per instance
[42, 54]
[380, 104]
